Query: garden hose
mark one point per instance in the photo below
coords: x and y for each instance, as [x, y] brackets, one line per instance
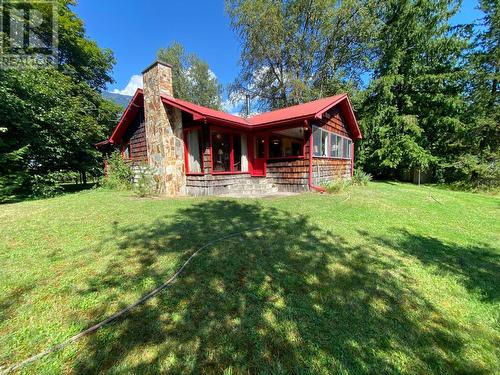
[120, 313]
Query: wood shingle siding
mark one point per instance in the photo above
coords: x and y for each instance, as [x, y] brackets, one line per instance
[135, 136]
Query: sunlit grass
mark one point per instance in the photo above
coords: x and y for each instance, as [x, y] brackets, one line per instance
[395, 279]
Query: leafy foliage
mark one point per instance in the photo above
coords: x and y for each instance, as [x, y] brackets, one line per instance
[119, 173]
[52, 117]
[192, 78]
[432, 98]
[479, 166]
[414, 107]
[145, 185]
[295, 51]
[361, 178]
[336, 186]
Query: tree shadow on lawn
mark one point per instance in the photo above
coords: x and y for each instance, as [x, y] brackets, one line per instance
[291, 298]
[478, 266]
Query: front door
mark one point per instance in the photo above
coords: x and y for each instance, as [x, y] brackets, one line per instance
[259, 156]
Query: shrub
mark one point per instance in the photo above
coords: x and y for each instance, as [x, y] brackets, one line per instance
[46, 185]
[338, 185]
[145, 185]
[120, 175]
[361, 178]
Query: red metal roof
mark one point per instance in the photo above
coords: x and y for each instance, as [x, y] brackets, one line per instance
[310, 109]
[204, 111]
[307, 111]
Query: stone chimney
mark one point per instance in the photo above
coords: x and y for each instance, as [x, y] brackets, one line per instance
[163, 126]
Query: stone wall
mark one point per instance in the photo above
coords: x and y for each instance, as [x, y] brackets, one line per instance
[229, 184]
[163, 130]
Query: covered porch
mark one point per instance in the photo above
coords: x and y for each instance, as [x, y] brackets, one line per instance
[221, 160]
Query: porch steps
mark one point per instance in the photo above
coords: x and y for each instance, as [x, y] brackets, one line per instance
[251, 187]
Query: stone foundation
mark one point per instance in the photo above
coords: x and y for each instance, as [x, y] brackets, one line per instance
[237, 184]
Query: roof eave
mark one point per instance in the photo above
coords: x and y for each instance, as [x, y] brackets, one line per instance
[125, 114]
[352, 117]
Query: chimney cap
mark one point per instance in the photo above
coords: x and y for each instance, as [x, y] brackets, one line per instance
[157, 62]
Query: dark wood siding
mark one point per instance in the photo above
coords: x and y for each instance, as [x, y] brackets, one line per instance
[293, 175]
[135, 136]
[335, 123]
[327, 169]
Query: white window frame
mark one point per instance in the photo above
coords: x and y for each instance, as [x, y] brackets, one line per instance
[329, 142]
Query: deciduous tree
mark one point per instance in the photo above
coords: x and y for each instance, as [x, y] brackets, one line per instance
[298, 50]
[50, 118]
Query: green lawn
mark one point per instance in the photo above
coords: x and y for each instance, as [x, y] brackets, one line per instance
[384, 279]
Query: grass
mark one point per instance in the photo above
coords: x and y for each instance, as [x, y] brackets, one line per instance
[394, 279]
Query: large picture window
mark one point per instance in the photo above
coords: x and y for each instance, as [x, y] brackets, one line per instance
[229, 152]
[329, 144]
[287, 143]
[194, 151]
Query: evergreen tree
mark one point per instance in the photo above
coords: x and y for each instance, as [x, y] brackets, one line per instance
[480, 163]
[192, 78]
[414, 109]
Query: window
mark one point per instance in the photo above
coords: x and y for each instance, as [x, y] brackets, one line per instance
[229, 152]
[221, 149]
[328, 144]
[194, 151]
[317, 141]
[324, 143]
[346, 148]
[336, 142]
[320, 142]
[260, 151]
[283, 146]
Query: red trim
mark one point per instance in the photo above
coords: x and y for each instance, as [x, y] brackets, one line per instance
[286, 157]
[329, 143]
[127, 117]
[171, 101]
[231, 149]
[235, 172]
[264, 159]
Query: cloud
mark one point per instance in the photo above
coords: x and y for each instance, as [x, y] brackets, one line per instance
[234, 103]
[232, 108]
[133, 84]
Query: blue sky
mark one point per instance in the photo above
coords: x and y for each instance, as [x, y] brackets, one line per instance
[135, 30]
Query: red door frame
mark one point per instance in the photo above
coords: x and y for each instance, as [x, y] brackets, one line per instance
[261, 170]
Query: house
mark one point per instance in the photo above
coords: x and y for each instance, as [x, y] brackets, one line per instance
[194, 150]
